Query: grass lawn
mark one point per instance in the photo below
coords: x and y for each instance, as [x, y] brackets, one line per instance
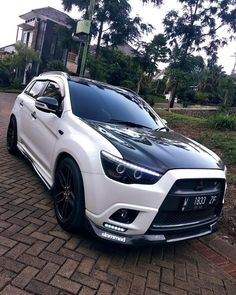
[198, 129]
[224, 144]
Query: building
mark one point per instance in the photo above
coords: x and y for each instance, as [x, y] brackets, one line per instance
[40, 31]
[7, 50]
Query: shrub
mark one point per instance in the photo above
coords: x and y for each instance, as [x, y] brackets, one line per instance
[150, 99]
[56, 65]
[201, 98]
[4, 74]
[222, 121]
[16, 83]
[128, 84]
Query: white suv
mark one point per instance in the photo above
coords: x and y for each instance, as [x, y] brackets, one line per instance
[113, 165]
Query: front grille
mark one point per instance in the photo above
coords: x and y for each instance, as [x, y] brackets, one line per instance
[171, 215]
[168, 218]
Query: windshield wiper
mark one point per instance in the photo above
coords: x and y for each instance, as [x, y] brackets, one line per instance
[163, 128]
[128, 123]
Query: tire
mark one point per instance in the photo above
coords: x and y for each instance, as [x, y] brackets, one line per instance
[68, 196]
[12, 136]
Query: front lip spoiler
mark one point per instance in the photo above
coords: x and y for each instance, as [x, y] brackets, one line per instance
[138, 240]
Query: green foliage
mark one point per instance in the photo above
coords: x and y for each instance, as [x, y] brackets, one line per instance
[174, 118]
[116, 16]
[128, 84]
[213, 139]
[223, 140]
[56, 65]
[147, 56]
[6, 70]
[64, 34]
[114, 67]
[222, 121]
[153, 99]
[155, 2]
[24, 55]
[183, 76]
[201, 97]
[16, 83]
[98, 68]
[195, 28]
[217, 86]
[150, 99]
[4, 74]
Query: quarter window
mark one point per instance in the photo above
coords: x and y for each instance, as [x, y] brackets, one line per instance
[36, 90]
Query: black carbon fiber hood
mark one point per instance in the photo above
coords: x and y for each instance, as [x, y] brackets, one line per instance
[159, 151]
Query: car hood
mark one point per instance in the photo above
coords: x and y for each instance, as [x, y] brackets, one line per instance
[158, 150]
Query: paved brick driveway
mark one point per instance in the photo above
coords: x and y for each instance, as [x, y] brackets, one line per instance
[38, 257]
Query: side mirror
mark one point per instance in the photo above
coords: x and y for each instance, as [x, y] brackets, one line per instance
[47, 104]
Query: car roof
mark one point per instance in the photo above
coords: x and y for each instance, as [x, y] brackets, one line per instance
[85, 80]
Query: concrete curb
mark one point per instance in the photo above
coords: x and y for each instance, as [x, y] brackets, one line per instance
[221, 246]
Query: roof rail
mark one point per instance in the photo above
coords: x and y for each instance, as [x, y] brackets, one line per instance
[67, 76]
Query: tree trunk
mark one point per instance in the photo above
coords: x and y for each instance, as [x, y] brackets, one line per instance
[172, 96]
[99, 39]
[139, 82]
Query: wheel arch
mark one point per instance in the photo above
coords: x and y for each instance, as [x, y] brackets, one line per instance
[62, 156]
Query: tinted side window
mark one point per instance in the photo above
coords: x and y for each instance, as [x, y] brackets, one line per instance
[36, 90]
[53, 90]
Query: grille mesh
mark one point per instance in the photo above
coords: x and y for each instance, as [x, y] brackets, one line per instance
[170, 212]
[173, 218]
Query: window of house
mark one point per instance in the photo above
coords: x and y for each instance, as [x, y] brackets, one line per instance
[53, 45]
[27, 38]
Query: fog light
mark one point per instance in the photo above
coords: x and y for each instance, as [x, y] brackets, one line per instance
[114, 227]
[124, 215]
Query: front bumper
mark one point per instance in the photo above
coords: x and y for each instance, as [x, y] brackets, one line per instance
[145, 239]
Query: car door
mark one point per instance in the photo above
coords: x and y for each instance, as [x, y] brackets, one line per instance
[44, 133]
[27, 113]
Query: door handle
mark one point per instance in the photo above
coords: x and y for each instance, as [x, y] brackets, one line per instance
[34, 115]
[21, 104]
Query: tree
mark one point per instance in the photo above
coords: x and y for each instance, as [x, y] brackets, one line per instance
[155, 2]
[113, 67]
[6, 70]
[56, 65]
[111, 21]
[23, 58]
[227, 90]
[218, 87]
[147, 56]
[183, 79]
[196, 27]
[65, 33]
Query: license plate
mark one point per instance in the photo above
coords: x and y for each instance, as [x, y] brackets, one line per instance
[199, 202]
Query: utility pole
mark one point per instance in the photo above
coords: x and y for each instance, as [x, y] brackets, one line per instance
[86, 45]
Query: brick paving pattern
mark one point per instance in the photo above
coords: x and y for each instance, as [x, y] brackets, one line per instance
[38, 257]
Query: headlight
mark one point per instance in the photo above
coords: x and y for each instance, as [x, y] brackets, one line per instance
[126, 172]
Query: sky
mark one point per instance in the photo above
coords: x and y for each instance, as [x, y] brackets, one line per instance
[11, 9]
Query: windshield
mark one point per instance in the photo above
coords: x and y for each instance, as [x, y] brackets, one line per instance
[106, 104]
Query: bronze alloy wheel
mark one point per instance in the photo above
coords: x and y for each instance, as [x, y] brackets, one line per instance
[12, 136]
[68, 195]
